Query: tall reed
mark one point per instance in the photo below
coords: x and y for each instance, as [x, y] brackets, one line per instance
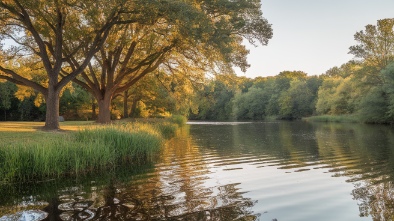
[129, 141]
[167, 129]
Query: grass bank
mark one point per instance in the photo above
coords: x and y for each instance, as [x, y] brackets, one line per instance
[334, 118]
[27, 153]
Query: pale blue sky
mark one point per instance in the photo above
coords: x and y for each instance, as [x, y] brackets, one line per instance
[312, 35]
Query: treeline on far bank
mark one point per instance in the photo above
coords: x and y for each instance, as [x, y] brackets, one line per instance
[352, 90]
[289, 95]
[361, 89]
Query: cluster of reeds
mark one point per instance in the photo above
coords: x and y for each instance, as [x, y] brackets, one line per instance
[88, 150]
[167, 129]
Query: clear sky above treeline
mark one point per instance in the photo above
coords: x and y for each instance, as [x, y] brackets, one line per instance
[312, 35]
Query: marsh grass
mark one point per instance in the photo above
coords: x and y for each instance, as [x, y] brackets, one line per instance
[167, 129]
[90, 149]
[20, 126]
[130, 142]
[53, 158]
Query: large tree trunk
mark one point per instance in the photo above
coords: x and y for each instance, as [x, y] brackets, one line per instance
[125, 108]
[52, 110]
[104, 113]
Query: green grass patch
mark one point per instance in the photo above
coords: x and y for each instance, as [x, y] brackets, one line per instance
[334, 118]
[41, 155]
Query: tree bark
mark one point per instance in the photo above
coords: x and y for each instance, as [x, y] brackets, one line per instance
[104, 113]
[52, 109]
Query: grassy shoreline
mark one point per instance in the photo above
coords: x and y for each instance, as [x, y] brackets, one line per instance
[334, 118]
[28, 154]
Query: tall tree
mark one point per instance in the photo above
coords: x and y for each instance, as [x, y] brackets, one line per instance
[131, 52]
[375, 44]
[375, 48]
[176, 37]
[48, 33]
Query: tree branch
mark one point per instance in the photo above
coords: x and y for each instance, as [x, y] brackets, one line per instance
[134, 80]
[24, 81]
[25, 18]
[93, 74]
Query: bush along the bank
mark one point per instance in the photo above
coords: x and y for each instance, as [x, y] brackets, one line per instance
[75, 153]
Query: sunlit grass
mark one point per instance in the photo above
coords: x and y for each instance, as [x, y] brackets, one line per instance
[27, 153]
[19, 126]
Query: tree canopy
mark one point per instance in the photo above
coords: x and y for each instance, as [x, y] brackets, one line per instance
[375, 44]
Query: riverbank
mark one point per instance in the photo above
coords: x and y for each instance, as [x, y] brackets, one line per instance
[334, 118]
[27, 153]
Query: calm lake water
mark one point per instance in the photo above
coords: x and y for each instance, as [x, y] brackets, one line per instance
[289, 171]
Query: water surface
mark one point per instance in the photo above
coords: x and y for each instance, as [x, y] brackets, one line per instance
[233, 171]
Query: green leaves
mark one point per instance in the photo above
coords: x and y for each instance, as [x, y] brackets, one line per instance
[376, 44]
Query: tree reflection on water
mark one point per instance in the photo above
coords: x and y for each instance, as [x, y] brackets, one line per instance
[376, 200]
[111, 203]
